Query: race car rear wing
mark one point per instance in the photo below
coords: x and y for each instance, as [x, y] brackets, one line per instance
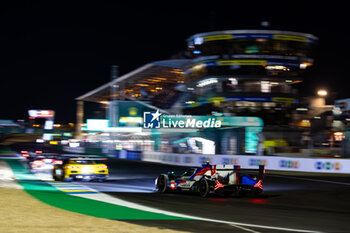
[223, 169]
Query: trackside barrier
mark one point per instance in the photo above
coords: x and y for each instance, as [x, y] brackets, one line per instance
[127, 154]
[319, 165]
[79, 150]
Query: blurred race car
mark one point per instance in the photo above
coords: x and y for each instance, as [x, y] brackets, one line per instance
[85, 169]
[213, 179]
[29, 154]
[33, 150]
[44, 163]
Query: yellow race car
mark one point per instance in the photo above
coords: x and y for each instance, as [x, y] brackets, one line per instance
[85, 169]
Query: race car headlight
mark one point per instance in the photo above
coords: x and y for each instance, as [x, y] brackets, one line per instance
[85, 170]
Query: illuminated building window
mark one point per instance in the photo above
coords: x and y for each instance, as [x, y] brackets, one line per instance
[233, 81]
[338, 136]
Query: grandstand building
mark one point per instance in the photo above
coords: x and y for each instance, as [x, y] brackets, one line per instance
[247, 72]
[229, 73]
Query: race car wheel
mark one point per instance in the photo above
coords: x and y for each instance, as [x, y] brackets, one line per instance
[256, 192]
[162, 183]
[203, 188]
[243, 193]
[68, 179]
[101, 180]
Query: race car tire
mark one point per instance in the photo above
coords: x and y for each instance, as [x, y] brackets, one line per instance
[203, 188]
[162, 183]
[101, 180]
[256, 192]
[69, 179]
[243, 193]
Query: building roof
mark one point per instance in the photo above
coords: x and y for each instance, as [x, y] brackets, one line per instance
[273, 32]
[150, 77]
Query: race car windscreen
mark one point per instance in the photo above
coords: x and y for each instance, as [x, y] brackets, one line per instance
[84, 161]
[100, 161]
[87, 162]
[189, 172]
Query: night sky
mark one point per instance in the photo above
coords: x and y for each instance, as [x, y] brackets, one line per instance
[54, 51]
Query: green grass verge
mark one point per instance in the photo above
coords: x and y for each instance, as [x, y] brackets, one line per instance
[54, 197]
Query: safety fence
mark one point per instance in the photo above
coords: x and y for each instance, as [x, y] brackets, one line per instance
[321, 165]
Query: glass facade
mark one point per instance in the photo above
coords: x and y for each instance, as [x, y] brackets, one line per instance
[247, 72]
[254, 46]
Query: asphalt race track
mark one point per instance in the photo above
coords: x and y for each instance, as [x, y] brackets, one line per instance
[318, 204]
